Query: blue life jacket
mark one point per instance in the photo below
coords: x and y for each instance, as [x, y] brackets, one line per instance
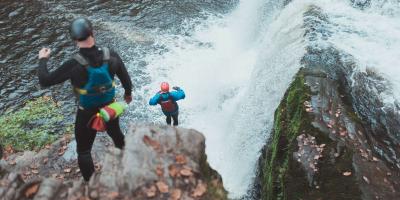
[100, 87]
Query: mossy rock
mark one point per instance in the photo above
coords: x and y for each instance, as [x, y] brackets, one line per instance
[32, 126]
[281, 176]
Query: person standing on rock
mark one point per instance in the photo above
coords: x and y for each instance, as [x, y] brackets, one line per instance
[168, 101]
[91, 73]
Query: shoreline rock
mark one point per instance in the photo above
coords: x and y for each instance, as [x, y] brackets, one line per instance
[158, 162]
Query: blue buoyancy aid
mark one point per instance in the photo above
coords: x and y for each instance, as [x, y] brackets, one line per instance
[100, 87]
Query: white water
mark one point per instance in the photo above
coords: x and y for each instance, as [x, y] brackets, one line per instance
[233, 83]
[236, 68]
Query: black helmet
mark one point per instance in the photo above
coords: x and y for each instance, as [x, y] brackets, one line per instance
[81, 28]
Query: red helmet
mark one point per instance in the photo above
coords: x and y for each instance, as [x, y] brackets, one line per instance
[164, 87]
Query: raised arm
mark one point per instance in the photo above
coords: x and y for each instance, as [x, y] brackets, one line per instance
[60, 75]
[178, 94]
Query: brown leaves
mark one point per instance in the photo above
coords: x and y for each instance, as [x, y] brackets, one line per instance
[32, 190]
[186, 172]
[67, 170]
[151, 192]
[180, 159]
[200, 189]
[346, 173]
[176, 194]
[173, 170]
[162, 187]
[150, 142]
[159, 171]
[113, 195]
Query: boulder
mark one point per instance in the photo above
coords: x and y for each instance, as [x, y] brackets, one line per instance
[158, 162]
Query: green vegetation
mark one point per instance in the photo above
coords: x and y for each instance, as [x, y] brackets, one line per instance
[32, 126]
[284, 178]
[289, 117]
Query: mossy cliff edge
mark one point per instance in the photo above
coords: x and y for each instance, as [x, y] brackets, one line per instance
[318, 148]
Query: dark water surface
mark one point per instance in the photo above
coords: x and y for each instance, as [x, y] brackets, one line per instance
[27, 26]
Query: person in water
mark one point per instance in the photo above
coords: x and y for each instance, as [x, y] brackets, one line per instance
[91, 72]
[168, 101]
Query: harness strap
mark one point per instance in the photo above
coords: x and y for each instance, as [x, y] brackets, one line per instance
[81, 60]
[84, 62]
[100, 90]
[106, 54]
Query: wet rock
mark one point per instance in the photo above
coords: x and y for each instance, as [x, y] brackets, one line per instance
[157, 162]
[16, 12]
[323, 152]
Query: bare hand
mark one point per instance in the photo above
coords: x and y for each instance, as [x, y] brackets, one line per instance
[44, 53]
[128, 99]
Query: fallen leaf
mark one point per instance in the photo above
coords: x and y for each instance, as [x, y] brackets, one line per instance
[150, 142]
[346, 173]
[375, 159]
[159, 171]
[173, 170]
[113, 195]
[180, 159]
[12, 162]
[77, 170]
[97, 167]
[32, 190]
[47, 146]
[366, 179]
[45, 160]
[316, 157]
[186, 172]
[199, 190]
[151, 192]
[61, 152]
[65, 147]
[162, 187]
[322, 145]
[35, 171]
[67, 170]
[176, 194]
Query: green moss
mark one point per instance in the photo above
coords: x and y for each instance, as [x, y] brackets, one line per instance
[31, 127]
[289, 118]
[284, 178]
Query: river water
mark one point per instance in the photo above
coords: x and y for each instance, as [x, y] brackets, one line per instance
[234, 59]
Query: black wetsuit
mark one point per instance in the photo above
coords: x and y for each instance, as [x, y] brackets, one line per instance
[72, 70]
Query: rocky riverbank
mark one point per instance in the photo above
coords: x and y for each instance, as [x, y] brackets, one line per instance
[157, 163]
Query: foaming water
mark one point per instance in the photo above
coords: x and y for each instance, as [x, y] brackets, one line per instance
[232, 87]
[235, 69]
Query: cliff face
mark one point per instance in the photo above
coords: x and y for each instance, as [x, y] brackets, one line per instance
[157, 163]
[321, 149]
[332, 137]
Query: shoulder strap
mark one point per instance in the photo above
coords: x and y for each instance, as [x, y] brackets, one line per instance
[106, 54]
[170, 97]
[81, 60]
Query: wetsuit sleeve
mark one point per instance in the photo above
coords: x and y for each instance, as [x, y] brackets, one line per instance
[60, 75]
[178, 95]
[122, 74]
[154, 100]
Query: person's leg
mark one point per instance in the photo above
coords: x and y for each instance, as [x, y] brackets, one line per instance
[168, 119]
[175, 118]
[114, 131]
[84, 137]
